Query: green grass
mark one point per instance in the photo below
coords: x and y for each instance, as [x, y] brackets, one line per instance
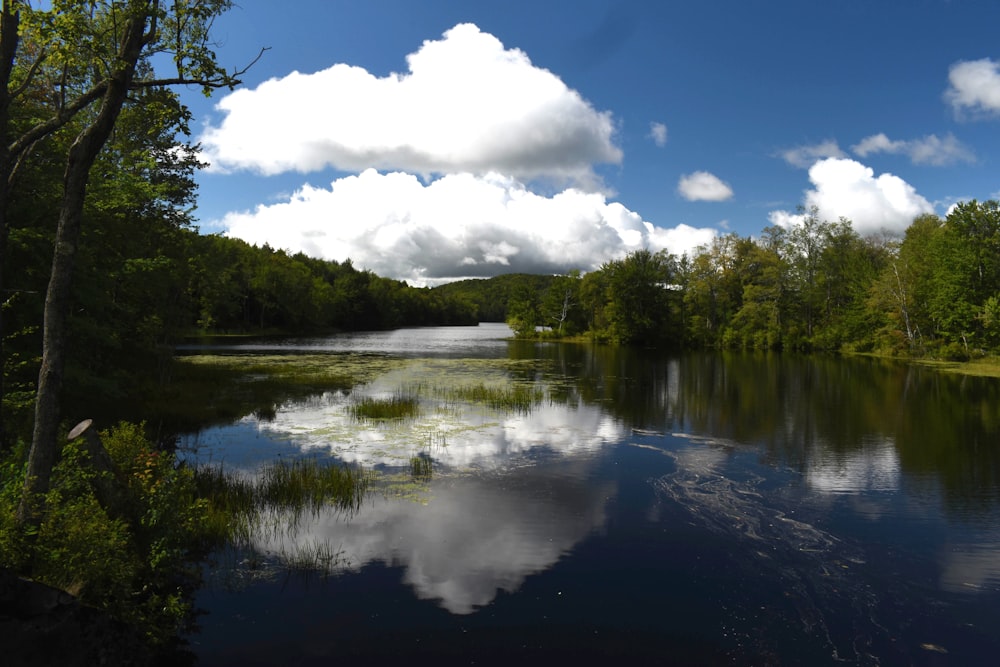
[516, 398]
[243, 506]
[985, 367]
[396, 407]
[421, 467]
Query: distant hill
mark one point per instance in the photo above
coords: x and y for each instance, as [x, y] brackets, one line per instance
[491, 295]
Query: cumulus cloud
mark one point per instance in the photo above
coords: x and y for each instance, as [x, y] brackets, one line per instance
[466, 104]
[459, 225]
[682, 239]
[929, 150]
[658, 133]
[703, 186]
[806, 156]
[849, 189]
[974, 86]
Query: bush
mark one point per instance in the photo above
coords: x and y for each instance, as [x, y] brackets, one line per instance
[953, 352]
[136, 557]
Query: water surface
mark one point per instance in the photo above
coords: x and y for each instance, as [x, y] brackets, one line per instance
[662, 509]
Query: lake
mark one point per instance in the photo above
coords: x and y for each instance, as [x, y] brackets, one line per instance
[599, 504]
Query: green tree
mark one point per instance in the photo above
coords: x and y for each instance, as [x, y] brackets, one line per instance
[643, 304]
[561, 305]
[104, 51]
[900, 294]
[713, 288]
[760, 320]
[966, 270]
[524, 311]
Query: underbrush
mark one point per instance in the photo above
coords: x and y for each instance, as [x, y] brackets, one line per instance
[137, 552]
[135, 556]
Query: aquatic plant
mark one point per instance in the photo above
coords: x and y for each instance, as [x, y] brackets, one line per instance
[244, 506]
[421, 467]
[396, 407]
[507, 398]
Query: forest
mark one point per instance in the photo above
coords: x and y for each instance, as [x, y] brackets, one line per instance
[817, 286]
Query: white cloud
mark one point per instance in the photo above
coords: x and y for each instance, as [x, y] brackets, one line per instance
[805, 156]
[658, 133]
[466, 104]
[682, 239]
[849, 189]
[703, 186]
[974, 85]
[459, 225]
[927, 150]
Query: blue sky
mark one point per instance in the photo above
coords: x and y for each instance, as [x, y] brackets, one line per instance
[433, 140]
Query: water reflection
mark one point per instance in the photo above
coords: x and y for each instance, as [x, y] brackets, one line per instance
[456, 434]
[835, 506]
[472, 538]
[972, 567]
[461, 537]
[873, 467]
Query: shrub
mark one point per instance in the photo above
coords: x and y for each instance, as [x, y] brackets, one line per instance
[135, 557]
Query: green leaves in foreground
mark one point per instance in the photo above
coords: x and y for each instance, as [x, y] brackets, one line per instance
[135, 555]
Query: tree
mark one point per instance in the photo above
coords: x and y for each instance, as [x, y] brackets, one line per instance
[713, 289]
[561, 304]
[642, 303]
[524, 311]
[104, 51]
[761, 319]
[901, 291]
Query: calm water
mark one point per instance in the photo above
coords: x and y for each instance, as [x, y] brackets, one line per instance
[655, 509]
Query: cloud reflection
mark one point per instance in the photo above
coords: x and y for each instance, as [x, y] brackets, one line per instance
[454, 434]
[971, 568]
[476, 534]
[473, 538]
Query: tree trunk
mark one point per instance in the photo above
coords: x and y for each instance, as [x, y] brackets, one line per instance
[82, 154]
[9, 22]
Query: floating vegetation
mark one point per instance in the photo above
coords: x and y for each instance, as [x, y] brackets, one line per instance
[220, 388]
[397, 407]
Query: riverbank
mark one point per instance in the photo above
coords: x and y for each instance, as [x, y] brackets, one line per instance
[985, 367]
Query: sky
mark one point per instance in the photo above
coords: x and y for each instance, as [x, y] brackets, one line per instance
[435, 140]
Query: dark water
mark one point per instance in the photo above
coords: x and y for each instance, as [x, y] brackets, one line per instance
[648, 508]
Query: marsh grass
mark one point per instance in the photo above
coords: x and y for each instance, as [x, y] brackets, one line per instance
[275, 499]
[421, 467]
[516, 398]
[220, 388]
[397, 407]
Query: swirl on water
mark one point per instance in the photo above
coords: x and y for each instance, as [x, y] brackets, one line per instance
[805, 587]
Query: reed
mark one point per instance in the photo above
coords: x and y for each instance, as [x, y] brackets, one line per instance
[515, 398]
[244, 506]
[395, 408]
[421, 467]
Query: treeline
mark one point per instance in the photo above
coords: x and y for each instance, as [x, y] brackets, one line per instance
[492, 296]
[141, 285]
[144, 277]
[814, 286]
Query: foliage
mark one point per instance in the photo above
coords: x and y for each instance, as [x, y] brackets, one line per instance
[816, 285]
[136, 558]
[491, 297]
